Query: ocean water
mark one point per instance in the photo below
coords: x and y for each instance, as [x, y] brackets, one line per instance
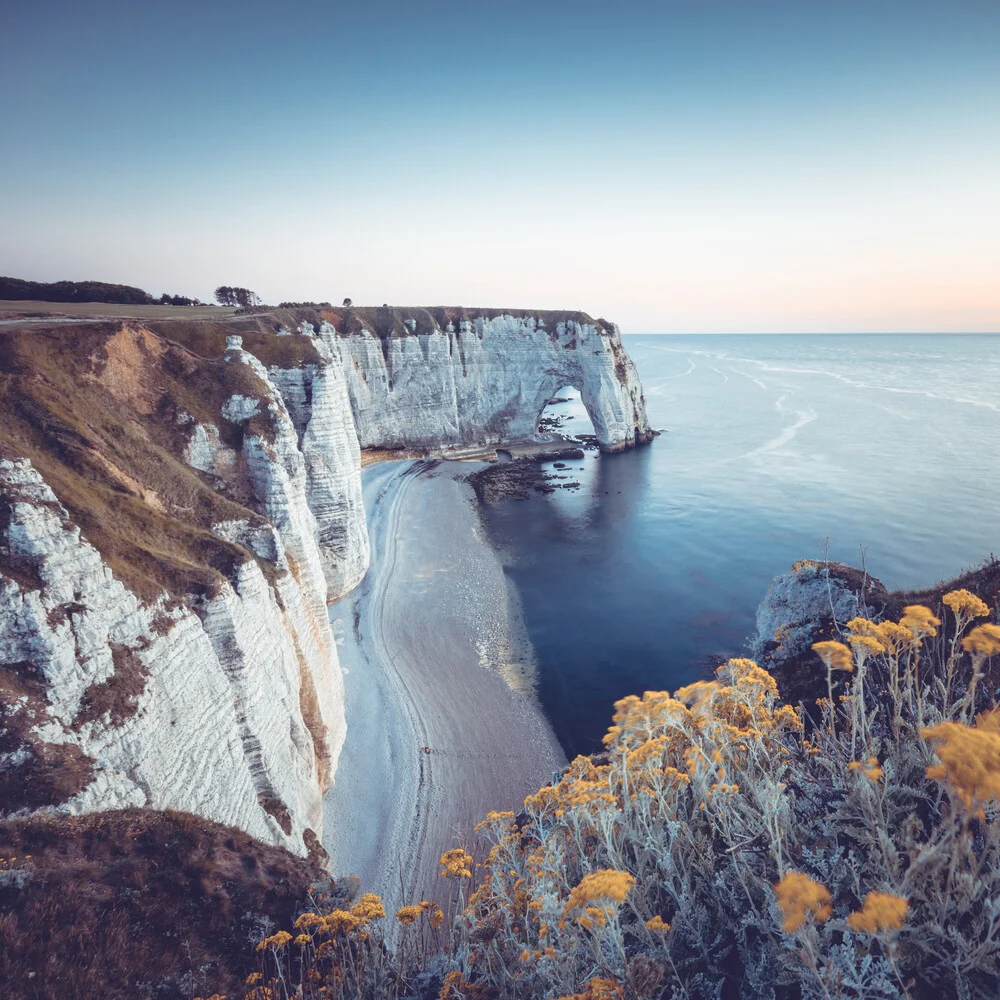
[774, 449]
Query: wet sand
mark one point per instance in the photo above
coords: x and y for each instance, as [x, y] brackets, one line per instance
[429, 636]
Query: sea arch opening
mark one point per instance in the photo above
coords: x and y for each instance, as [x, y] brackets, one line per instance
[564, 413]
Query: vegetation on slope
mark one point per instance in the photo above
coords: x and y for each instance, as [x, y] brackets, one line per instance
[104, 412]
[726, 846]
[137, 904]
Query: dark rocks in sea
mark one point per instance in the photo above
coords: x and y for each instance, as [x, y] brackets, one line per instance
[512, 481]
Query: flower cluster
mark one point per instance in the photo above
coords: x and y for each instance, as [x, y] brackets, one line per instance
[407, 915]
[835, 655]
[800, 897]
[880, 912]
[456, 864]
[969, 760]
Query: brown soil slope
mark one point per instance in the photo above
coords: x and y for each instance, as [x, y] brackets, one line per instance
[138, 904]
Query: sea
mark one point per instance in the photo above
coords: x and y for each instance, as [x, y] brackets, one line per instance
[772, 449]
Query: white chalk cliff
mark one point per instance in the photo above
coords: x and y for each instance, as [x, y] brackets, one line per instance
[484, 378]
[227, 701]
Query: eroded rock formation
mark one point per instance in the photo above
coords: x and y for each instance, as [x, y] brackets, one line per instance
[428, 379]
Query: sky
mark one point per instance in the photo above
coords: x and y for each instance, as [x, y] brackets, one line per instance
[674, 166]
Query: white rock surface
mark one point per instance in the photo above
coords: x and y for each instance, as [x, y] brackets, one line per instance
[795, 603]
[241, 717]
[317, 401]
[486, 382]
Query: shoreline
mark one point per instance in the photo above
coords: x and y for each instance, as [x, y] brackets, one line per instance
[433, 647]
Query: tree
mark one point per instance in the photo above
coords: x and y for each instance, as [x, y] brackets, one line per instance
[348, 303]
[228, 295]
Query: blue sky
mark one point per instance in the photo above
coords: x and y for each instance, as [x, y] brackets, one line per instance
[675, 166]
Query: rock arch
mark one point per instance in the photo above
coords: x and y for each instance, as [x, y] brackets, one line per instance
[453, 378]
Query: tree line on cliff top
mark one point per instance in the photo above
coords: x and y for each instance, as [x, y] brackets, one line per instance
[19, 289]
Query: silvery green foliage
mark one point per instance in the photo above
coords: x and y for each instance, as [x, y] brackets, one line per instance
[707, 858]
[14, 878]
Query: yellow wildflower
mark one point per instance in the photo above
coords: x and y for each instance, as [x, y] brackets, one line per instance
[368, 907]
[697, 693]
[970, 760]
[835, 655]
[919, 620]
[254, 978]
[895, 637]
[407, 914]
[984, 640]
[308, 919]
[607, 887]
[456, 864]
[745, 673]
[798, 897]
[278, 940]
[880, 912]
[340, 922]
[870, 768]
[657, 925]
[597, 989]
[962, 602]
[866, 645]
[862, 626]
[990, 719]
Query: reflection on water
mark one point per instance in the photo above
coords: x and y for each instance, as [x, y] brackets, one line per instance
[652, 570]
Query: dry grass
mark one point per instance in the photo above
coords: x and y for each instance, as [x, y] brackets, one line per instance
[20, 309]
[108, 438]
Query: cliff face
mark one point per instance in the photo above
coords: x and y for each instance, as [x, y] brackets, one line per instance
[317, 400]
[422, 378]
[176, 653]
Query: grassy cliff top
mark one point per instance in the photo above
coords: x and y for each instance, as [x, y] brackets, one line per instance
[207, 325]
[390, 321]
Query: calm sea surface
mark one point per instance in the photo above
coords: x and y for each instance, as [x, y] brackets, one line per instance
[651, 572]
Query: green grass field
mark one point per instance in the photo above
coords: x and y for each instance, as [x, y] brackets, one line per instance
[25, 309]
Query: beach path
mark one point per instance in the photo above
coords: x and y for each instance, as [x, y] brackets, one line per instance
[419, 636]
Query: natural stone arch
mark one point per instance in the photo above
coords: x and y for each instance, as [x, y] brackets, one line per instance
[484, 379]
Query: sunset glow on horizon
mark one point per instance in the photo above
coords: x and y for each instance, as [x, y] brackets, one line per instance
[675, 167]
